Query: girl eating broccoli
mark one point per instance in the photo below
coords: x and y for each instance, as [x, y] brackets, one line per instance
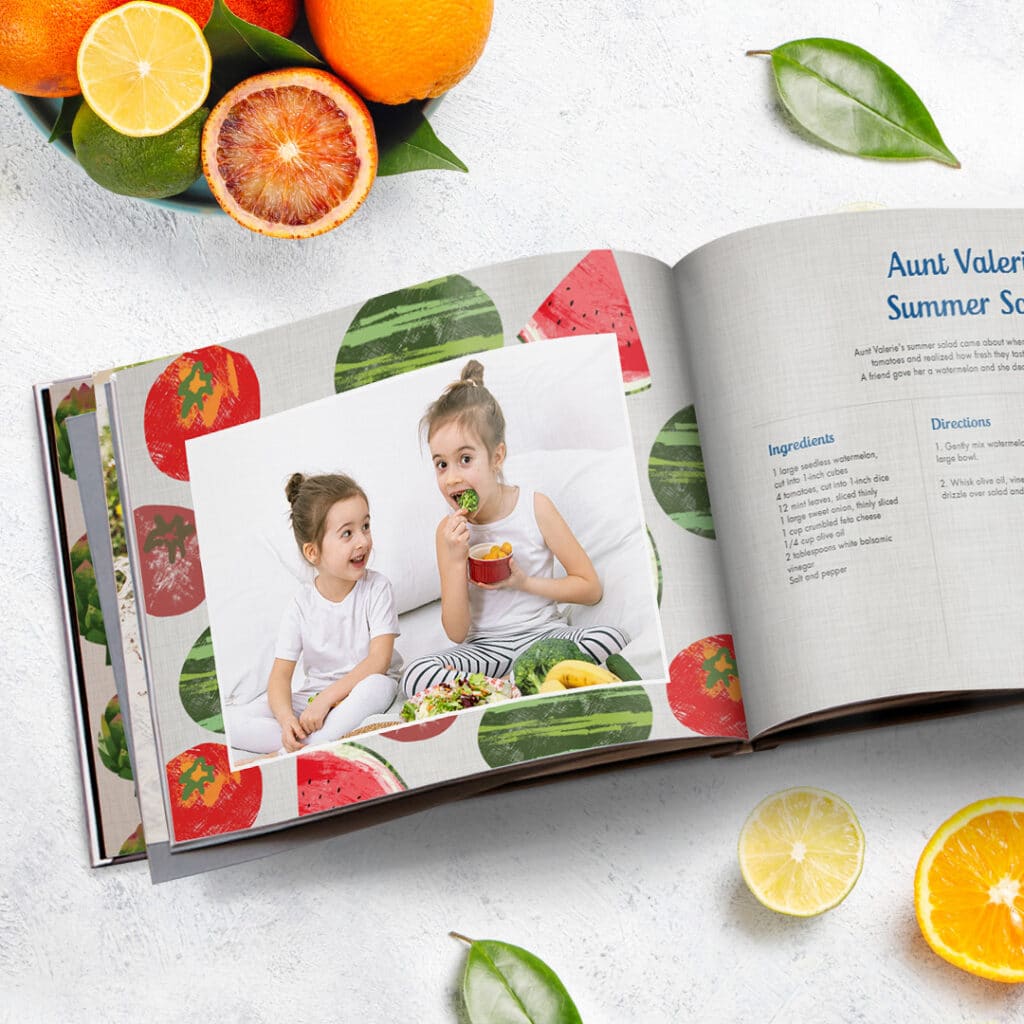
[490, 623]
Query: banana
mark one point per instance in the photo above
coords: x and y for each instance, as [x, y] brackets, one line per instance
[551, 686]
[572, 674]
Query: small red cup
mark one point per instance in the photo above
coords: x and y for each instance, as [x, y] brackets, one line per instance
[487, 570]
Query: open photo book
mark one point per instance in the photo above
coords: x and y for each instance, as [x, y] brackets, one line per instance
[774, 490]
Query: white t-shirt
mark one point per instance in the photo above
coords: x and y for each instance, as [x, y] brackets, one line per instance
[493, 612]
[332, 637]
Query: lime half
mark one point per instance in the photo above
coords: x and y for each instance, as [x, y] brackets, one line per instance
[152, 167]
[801, 851]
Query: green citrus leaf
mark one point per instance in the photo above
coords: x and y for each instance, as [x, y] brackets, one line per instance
[240, 50]
[66, 118]
[850, 100]
[505, 984]
[406, 142]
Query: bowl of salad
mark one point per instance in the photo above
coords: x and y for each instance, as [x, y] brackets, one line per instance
[462, 692]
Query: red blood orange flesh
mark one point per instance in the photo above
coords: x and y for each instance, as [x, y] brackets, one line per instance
[290, 153]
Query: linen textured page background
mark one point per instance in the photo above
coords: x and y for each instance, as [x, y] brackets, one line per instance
[801, 307]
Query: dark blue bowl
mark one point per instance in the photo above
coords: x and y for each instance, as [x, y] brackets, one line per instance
[198, 198]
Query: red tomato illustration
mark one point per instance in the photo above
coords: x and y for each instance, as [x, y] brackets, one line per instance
[200, 392]
[206, 797]
[704, 688]
[172, 577]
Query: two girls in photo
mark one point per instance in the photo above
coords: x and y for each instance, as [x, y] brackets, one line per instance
[344, 623]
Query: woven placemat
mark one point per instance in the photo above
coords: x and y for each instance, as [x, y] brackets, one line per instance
[372, 727]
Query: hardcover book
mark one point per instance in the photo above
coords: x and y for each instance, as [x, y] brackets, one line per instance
[773, 490]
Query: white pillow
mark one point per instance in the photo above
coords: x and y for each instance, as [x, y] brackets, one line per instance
[595, 491]
[597, 494]
[403, 543]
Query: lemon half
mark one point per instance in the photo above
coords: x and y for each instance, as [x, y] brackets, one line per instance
[144, 68]
[801, 851]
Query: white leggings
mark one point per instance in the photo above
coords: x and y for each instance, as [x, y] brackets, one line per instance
[253, 726]
[493, 656]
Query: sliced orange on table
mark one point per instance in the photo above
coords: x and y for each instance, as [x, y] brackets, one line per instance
[144, 68]
[290, 153]
[969, 889]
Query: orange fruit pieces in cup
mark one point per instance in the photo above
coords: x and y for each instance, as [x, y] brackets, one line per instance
[498, 551]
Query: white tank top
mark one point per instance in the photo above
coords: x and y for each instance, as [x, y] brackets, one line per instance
[494, 612]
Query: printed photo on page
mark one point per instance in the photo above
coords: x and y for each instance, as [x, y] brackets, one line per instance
[463, 535]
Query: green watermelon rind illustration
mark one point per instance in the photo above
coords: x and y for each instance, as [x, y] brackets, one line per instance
[656, 570]
[446, 318]
[675, 468]
[197, 685]
[527, 730]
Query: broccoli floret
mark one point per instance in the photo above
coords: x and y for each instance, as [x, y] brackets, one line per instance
[532, 666]
[469, 500]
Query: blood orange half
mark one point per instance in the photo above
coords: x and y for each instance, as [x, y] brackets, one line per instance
[290, 153]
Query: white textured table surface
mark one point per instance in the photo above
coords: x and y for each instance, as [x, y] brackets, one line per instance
[613, 123]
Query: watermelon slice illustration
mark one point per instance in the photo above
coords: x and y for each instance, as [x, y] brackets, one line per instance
[592, 300]
[417, 731]
[348, 774]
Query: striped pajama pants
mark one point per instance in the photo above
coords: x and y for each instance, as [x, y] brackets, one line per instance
[493, 655]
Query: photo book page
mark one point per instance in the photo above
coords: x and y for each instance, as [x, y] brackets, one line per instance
[866, 465]
[606, 436]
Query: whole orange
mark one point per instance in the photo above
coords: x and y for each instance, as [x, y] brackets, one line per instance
[39, 39]
[39, 43]
[393, 51]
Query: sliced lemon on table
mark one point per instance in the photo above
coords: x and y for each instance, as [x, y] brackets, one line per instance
[144, 68]
[969, 889]
[801, 851]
